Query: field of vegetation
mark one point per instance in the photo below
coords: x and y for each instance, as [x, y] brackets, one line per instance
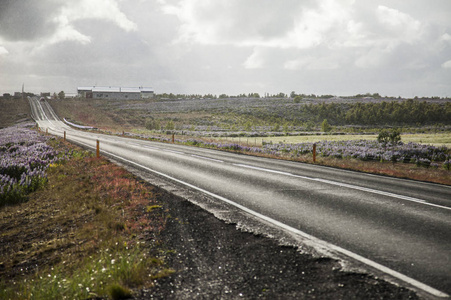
[286, 127]
[73, 226]
[262, 116]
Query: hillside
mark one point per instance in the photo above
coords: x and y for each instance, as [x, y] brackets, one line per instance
[13, 111]
[259, 115]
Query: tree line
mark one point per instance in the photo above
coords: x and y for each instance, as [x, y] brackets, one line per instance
[409, 112]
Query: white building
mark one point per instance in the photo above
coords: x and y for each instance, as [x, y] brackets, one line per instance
[124, 93]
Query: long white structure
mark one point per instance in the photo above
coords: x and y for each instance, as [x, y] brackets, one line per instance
[125, 93]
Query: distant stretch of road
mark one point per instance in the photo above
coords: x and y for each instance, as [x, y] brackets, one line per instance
[397, 226]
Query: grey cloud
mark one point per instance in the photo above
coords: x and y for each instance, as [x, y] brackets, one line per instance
[24, 20]
[220, 37]
[262, 18]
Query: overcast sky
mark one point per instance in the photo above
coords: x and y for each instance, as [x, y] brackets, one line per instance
[341, 47]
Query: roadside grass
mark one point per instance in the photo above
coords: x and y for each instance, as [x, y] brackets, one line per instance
[435, 139]
[87, 234]
[400, 170]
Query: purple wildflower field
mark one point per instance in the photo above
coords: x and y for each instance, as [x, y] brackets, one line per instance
[365, 150]
[424, 155]
[24, 158]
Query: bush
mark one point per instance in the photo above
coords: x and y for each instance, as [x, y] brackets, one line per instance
[386, 136]
[297, 99]
[152, 124]
[170, 125]
[325, 126]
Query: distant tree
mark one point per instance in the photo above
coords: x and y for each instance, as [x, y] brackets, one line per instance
[385, 136]
[376, 95]
[153, 124]
[285, 128]
[170, 125]
[293, 94]
[248, 126]
[61, 95]
[325, 126]
[395, 136]
[309, 126]
[297, 99]
[209, 96]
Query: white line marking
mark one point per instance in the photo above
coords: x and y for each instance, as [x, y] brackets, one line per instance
[349, 186]
[263, 169]
[172, 151]
[207, 158]
[151, 147]
[338, 249]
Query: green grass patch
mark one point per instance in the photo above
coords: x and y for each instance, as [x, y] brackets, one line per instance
[435, 139]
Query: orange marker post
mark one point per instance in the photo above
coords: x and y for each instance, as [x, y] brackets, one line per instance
[314, 152]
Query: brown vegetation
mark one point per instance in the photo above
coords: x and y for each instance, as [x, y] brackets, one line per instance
[14, 111]
[89, 205]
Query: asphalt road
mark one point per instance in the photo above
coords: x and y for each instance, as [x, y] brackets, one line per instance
[401, 225]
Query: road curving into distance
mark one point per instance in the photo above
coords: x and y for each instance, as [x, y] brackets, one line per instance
[398, 227]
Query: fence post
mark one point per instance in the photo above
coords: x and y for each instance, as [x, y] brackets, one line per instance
[98, 149]
[173, 138]
[46, 131]
[314, 152]
[64, 135]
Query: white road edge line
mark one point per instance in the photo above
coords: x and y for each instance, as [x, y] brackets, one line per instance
[338, 249]
[350, 186]
[173, 151]
[207, 158]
